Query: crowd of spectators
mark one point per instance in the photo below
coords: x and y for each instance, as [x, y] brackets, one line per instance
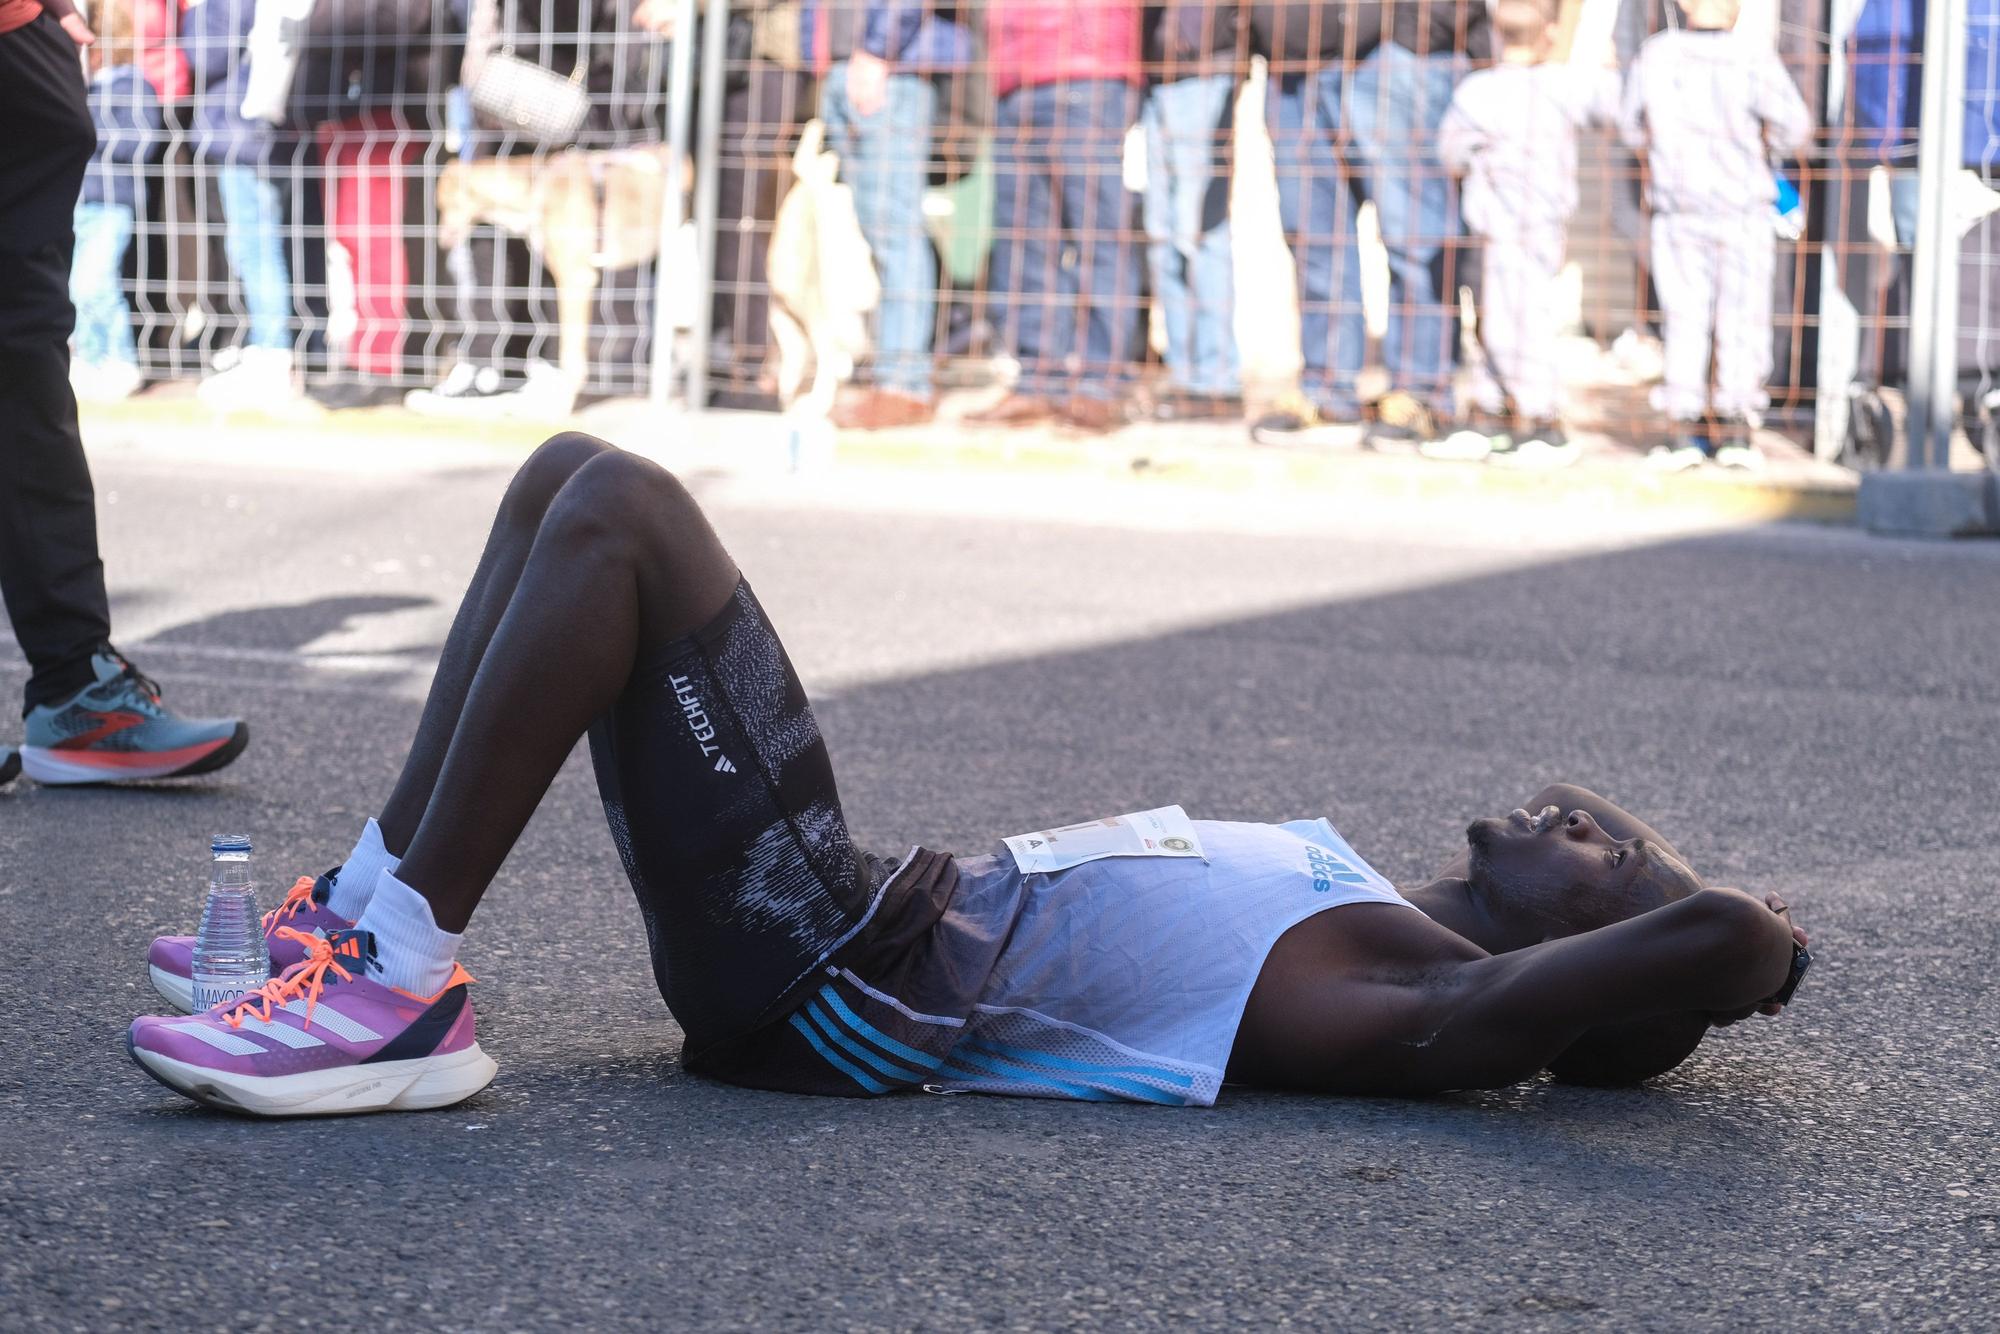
[1454, 123]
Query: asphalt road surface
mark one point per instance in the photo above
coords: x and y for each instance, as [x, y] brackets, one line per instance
[1807, 711]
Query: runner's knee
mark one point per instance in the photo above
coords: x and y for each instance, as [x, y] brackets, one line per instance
[623, 499]
[545, 473]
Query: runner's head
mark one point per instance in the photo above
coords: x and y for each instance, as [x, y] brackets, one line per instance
[1555, 873]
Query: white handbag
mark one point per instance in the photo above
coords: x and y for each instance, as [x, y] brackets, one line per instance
[530, 100]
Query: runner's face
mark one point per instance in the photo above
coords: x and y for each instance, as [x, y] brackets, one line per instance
[1567, 875]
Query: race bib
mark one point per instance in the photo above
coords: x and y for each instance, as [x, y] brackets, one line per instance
[1166, 832]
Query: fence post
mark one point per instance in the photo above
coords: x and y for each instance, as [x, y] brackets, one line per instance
[673, 205]
[1934, 291]
[714, 46]
[1925, 498]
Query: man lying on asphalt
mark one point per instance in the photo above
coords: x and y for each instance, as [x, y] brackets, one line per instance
[1150, 957]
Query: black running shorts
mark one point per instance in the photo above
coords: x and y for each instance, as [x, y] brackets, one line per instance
[720, 796]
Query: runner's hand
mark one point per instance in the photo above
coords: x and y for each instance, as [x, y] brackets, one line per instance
[1779, 906]
[79, 31]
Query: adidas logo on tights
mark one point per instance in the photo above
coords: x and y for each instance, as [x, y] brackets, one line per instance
[723, 766]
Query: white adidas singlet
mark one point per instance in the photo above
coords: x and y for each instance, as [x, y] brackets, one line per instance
[1125, 977]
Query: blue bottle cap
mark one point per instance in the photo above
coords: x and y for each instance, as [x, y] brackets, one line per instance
[229, 843]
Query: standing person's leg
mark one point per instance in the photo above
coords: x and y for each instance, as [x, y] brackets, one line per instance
[1684, 267]
[477, 267]
[1202, 181]
[1518, 289]
[1503, 325]
[102, 233]
[885, 157]
[1102, 291]
[91, 717]
[253, 218]
[1747, 256]
[1316, 207]
[1187, 124]
[1393, 112]
[758, 119]
[1025, 253]
[50, 572]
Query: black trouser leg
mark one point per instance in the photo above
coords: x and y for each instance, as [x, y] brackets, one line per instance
[758, 117]
[50, 574]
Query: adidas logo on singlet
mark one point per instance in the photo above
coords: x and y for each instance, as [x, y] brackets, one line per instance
[723, 766]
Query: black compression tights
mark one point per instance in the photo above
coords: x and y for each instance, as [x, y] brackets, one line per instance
[595, 557]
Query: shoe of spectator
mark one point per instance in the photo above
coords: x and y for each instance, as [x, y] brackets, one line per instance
[1744, 457]
[1093, 416]
[1677, 457]
[1013, 410]
[1399, 424]
[255, 378]
[106, 381]
[1296, 420]
[545, 394]
[1543, 445]
[1186, 405]
[465, 391]
[882, 410]
[117, 730]
[10, 765]
[1479, 436]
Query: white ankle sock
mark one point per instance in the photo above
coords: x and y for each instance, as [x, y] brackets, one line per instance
[355, 884]
[412, 953]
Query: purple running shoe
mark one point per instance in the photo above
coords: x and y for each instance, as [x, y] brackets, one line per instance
[324, 1039]
[171, 958]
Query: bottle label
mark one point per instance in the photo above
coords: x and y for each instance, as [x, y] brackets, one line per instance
[212, 991]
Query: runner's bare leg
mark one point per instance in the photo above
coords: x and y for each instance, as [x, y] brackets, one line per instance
[519, 517]
[623, 563]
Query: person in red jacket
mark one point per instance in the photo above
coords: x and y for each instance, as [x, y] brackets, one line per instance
[1068, 78]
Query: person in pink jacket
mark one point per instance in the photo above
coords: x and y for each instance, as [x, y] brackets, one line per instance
[1068, 77]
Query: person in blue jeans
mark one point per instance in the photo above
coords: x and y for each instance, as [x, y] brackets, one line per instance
[1356, 96]
[878, 100]
[1189, 119]
[1065, 271]
[260, 372]
[127, 116]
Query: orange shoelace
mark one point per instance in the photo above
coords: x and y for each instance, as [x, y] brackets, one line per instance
[296, 901]
[307, 979]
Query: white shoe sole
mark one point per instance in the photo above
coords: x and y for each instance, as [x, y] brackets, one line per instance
[176, 991]
[52, 768]
[388, 1086]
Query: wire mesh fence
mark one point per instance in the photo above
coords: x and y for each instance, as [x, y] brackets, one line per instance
[1664, 222]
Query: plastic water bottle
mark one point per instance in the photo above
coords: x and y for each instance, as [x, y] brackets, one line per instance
[230, 957]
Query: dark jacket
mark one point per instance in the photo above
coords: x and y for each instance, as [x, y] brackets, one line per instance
[128, 120]
[1887, 79]
[1033, 42]
[1306, 34]
[212, 37]
[1189, 37]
